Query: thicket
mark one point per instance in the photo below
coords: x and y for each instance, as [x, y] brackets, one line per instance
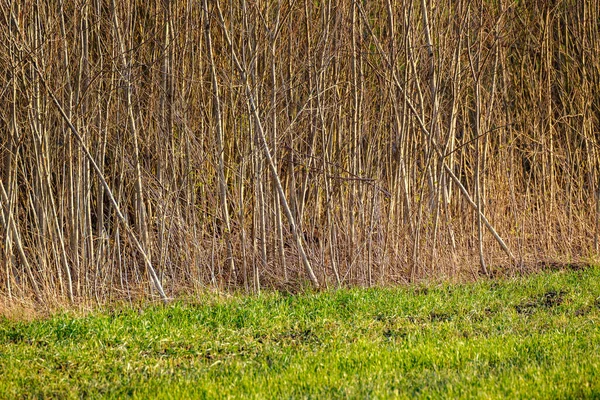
[174, 145]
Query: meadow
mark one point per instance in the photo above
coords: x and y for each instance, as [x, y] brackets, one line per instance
[522, 337]
[236, 161]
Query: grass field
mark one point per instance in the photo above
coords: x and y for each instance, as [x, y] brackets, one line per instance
[532, 337]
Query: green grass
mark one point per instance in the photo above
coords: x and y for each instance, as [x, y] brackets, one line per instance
[535, 337]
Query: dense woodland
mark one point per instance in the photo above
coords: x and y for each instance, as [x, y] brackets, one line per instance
[151, 148]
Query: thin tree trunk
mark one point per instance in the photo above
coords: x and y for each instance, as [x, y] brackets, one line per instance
[220, 149]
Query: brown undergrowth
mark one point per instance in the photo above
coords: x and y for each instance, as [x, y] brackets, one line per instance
[176, 147]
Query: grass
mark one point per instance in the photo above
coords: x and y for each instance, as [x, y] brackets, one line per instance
[533, 337]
